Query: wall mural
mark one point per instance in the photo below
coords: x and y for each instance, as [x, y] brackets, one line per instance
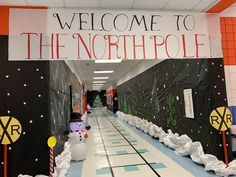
[158, 96]
[96, 98]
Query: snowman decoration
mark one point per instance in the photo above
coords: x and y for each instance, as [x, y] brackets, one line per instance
[77, 139]
[78, 145]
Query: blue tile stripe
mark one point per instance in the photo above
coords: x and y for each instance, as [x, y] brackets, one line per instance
[158, 165]
[142, 150]
[116, 142]
[131, 168]
[100, 154]
[121, 152]
[103, 171]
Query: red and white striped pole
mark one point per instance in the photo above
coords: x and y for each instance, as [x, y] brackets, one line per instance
[51, 143]
[51, 162]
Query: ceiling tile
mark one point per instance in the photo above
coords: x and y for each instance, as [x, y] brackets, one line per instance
[116, 4]
[181, 5]
[204, 5]
[13, 3]
[81, 3]
[149, 4]
[48, 3]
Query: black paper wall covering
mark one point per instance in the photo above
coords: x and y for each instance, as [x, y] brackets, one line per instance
[157, 95]
[25, 95]
[37, 93]
[60, 79]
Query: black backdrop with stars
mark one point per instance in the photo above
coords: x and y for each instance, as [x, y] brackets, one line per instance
[157, 95]
[36, 93]
[25, 95]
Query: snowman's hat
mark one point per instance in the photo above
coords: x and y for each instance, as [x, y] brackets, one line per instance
[75, 115]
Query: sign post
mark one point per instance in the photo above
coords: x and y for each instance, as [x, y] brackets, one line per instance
[51, 143]
[221, 119]
[10, 131]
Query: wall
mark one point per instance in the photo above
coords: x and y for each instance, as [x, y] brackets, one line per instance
[25, 93]
[228, 31]
[111, 99]
[60, 79]
[157, 96]
[37, 93]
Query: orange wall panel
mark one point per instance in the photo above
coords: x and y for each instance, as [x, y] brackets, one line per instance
[228, 37]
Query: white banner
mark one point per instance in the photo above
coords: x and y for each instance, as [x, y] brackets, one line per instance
[74, 34]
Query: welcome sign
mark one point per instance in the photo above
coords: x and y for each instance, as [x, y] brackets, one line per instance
[74, 34]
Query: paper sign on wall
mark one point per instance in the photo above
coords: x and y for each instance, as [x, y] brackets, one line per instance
[188, 102]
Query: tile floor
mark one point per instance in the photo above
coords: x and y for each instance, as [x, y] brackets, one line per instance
[115, 150]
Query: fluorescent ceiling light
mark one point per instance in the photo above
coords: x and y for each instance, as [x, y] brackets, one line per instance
[99, 82]
[97, 78]
[103, 72]
[108, 61]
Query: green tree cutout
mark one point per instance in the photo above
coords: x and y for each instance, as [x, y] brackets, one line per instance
[97, 102]
[171, 110]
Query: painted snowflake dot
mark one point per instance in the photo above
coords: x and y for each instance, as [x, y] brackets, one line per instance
[37, 69]
[36, 160]
[8, 94]
[25, 85]
[18, 69]
[30, 121]
[39, 95]
[41, 116]
[7, 76]
[177, 97]
[41, 77]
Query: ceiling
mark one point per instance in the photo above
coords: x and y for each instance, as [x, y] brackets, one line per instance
[85, 70]
[165, 5]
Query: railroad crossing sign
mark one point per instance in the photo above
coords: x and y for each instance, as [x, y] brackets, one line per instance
[10, 129]
[221, 118]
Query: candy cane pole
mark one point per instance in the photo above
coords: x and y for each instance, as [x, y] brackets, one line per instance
[51, 162]
[51, 143]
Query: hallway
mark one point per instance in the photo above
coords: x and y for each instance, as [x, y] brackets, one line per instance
[117, 150]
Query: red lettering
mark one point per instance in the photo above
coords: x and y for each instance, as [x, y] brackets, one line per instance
[140, 45]
[125, 49]
[198, 44]
[41, 45]
[110, 44]
[172, 47]
[93, 44]
[58, 46]
[85, 46]
[157, 44]
[29, 42]
[184, 46]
